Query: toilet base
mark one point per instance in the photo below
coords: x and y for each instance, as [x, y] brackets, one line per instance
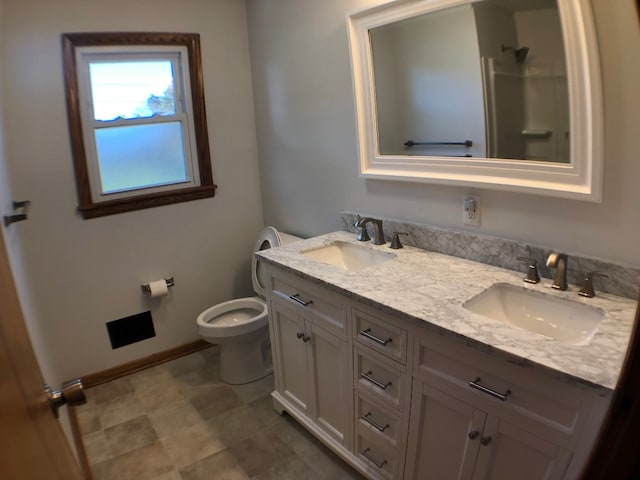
[246, 361]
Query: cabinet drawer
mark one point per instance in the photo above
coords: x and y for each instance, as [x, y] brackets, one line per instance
[380, 458]
[379, 421]
[531, 393]
[326, 309]
[380, 335]
[379, 376]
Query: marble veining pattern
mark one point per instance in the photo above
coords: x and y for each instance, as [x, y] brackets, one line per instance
[429, 289]
[622, 280]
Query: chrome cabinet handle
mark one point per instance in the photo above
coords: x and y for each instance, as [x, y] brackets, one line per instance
[485, 441]
[367, 418]
[296, 298]
[474, 434]
[305, 338]
[500, 396]
[367, 333]
[365, 453]
[367, 376]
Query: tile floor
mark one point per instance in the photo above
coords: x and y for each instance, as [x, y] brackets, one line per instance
[177, 421]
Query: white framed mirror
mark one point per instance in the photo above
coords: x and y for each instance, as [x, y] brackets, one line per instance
[501, 94]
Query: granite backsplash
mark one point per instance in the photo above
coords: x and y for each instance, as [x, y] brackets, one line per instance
[622, 280]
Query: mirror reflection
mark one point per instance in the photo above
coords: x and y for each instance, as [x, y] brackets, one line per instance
[486, 79]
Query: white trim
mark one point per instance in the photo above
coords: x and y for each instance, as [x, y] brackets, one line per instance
[581, 179]
[178, 56]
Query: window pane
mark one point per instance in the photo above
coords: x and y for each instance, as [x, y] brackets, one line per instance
[132, 89]
[141, 156]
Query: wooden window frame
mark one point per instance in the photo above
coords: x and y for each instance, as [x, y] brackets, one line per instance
[87, 206]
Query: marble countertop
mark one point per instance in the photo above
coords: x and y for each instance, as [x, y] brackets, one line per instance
[430, 289]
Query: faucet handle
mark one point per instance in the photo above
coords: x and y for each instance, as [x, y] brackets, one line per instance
[395, 242]
[532, 270]
[587, 289]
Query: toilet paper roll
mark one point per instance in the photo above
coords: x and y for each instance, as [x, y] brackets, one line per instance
[158, 288]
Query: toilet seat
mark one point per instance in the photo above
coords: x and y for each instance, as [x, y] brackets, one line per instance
[241, 327]
[234, 317]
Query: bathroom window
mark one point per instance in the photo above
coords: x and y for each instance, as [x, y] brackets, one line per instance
[137, 120]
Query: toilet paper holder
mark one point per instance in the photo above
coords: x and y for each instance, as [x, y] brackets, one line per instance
[147, 289]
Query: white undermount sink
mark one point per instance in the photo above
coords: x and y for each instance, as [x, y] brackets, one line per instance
[348, 256]
[564, 320]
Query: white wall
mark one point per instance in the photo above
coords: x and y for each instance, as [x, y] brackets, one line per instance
[496, 26]
[504, 93]
[42, 348]
[307, 147]
[79, 274]
[436, 91]
[546, 88]
[388, 91]
[11, 234]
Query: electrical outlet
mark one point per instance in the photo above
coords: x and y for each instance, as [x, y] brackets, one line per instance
[471, 210]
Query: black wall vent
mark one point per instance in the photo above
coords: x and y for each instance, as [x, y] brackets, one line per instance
[131, 329]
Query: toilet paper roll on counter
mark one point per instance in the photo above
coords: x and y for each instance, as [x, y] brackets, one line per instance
[159, 288]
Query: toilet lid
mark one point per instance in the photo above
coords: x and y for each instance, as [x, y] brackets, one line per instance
[269, 237]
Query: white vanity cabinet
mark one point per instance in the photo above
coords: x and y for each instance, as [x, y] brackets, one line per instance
[474, 416]
[382, 387]
[398, 401]
[311, 361]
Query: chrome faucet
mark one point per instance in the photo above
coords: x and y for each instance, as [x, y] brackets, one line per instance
[378, 234]
[559, 261]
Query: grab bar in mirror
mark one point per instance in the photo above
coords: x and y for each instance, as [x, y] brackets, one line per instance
[466, 143]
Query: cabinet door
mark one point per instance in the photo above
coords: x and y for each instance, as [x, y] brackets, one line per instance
[508, 451]
[444, 436]
[328, 372]
[291, 364]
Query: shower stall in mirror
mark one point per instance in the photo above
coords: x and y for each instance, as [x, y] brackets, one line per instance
[486, 79]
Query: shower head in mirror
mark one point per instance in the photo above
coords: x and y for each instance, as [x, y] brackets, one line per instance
[520, 53]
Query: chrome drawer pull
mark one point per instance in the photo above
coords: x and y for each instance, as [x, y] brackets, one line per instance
[365, 454]
[367, 418]
[367, 376]
[296, 298]
[367, 333]
[500, 396]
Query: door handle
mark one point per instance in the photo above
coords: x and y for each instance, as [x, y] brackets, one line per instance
[71, 393]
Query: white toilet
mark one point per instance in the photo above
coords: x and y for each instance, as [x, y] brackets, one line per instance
[241, 326]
